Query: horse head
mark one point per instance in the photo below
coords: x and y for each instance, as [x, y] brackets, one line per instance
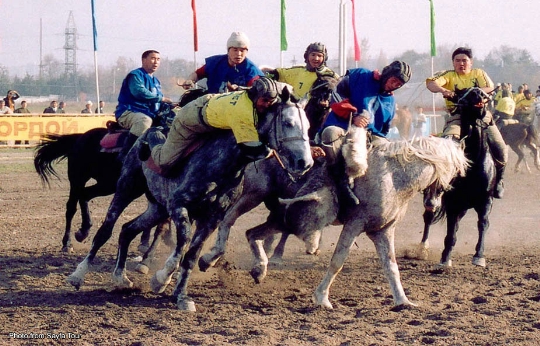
[318, 105]
[472, 102]
[285, 129]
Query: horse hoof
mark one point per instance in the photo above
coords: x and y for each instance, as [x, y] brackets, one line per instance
[157, 286]
[143, 248]
[322, 301]
[142, 268]
[185, 304]
[122, 282]
[67, 249]
[405, 306]
[258, 273]
[80, 236]
[75, 281]
[275, 260]
[204, 263]
[446, 264]
[479, 261]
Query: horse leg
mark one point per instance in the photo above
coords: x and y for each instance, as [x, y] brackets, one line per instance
[87, 194]
[162, 230]
[71, 209]
[119, 202]
[483, 226]
[203, 231]
[384, 243]
[130, 230]
[343, 246]
[246, 203]
[452, 226]
[423, 248]
[277, 255]
[163, 277]
[521, 157]
[256, 237]
[534, 153]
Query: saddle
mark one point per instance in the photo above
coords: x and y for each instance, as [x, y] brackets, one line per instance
[114, 140]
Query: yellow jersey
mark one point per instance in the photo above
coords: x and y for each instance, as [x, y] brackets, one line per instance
[506, 105]
[525, 106]
[301, 79]
[233, 111]
[452, 81]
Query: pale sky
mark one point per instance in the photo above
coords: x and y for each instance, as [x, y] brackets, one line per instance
[128, 27]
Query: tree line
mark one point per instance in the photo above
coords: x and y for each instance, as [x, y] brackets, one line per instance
[503, 64]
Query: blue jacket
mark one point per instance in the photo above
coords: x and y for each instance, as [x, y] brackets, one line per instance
[218, 71]
[140, 93]
[365, 93]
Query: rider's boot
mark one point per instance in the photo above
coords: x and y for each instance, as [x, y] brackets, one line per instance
[131, 139]
[346, 195]
[499, 183]
[152, 137]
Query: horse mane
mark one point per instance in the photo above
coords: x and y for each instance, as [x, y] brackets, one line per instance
[446, 157]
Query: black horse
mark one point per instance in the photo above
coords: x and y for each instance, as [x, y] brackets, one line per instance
[85, 160]
[206, 184]
[474, 190]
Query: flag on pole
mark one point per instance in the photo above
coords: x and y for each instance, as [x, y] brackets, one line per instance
[356, 45]
[94, 28]
[195, 35]
[433, 45]
[284, 44]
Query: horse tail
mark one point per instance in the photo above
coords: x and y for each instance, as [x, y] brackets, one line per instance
[53, 149]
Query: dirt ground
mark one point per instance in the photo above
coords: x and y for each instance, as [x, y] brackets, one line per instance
[467, 305]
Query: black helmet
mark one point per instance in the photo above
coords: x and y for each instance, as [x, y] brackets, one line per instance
[316, 47]
[263, 87]
[398, 69]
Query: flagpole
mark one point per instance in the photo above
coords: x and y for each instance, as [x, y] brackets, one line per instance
[195, 34]
[342, 53]
[283, 33]
[94, 29]
[433, 54]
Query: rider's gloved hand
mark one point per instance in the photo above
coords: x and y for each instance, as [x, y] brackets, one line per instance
[343, 109]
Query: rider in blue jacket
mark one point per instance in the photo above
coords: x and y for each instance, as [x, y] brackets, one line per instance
[227, 72]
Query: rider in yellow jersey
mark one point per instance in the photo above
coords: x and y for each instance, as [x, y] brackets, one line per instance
[461, 77]
[525, 108]
[237, 111]
[301, 78]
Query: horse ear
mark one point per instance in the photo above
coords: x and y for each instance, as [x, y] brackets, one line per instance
[285, 94]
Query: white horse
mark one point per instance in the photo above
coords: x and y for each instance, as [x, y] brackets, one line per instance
[397, 171]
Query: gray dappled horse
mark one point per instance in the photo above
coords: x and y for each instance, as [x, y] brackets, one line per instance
[204, 187]
[266, 181]
[397, 171]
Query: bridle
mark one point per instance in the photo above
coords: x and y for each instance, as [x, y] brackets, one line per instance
[277, 124]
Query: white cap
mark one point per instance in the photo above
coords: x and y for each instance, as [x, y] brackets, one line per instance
[88, 102]
[238, 40]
